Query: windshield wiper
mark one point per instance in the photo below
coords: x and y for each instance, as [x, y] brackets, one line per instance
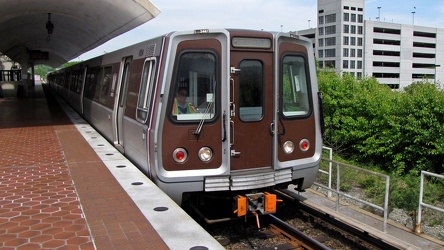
[202, 121]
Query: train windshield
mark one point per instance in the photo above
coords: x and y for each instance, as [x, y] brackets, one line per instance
[194, 87]
[295, 89]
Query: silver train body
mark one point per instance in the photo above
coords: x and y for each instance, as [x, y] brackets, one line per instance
[253, 121]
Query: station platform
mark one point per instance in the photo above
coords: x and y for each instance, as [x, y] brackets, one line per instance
[63, 186]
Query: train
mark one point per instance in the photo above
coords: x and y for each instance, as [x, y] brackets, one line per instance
[227, 114]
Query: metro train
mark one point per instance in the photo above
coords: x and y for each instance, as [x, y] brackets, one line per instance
[210, 113]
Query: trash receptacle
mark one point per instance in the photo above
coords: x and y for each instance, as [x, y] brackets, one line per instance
[20, 91]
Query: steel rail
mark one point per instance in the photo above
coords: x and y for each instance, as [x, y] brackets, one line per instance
[307, 241]
[364, 235]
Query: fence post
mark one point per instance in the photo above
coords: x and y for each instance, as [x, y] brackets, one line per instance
[330, 157]
[418, 216]
[386, 201]
[338, 180]
[329, 171]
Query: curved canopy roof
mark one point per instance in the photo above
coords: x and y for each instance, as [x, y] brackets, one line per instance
[79, 26]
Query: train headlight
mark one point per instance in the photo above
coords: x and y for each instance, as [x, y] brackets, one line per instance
[304, 145]
[288, 147]
[180, 155]
[205, 154]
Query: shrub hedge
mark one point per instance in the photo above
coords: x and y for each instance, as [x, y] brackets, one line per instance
[402, 131]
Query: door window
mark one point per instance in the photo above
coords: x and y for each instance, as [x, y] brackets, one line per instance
[251, 91]
[125, 81]
[146, 88]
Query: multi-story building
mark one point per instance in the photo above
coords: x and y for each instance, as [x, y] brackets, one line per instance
[340, 35]
[399, 54]
[395, 54]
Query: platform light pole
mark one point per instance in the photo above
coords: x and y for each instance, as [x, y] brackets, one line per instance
[309, 23]
[413, 15]
[436, 66]
[379, 13]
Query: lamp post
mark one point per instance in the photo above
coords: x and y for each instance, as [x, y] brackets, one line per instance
[413, 17]
[379, 13]
[309, 23]
[49, 28]
[436, 66]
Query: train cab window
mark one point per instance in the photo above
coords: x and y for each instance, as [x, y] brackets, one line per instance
[193, 90]
[295, 89]
[146, 89]
[251, 90]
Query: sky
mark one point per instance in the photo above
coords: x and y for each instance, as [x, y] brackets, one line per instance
[272, 15]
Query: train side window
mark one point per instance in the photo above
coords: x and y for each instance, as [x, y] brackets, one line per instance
[72, 80]
[251, 90]
[295, 89]
[76, 80]
[65, 80]
[146, 89]
[79, 81]
[102, 90]
[92, 76]
[193, 97]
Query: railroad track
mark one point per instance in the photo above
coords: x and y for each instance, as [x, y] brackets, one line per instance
[296, 239]
[300, 225]
[273, 234]
[371, 237]
[297, 231]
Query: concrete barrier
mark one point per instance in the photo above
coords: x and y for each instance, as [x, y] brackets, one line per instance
[9, 89]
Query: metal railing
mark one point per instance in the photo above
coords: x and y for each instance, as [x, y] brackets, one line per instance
[10, 75]
[339, 193]
[328, 173]
[421, 196]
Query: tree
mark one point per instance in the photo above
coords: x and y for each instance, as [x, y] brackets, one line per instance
[42, 70]
[401, 131]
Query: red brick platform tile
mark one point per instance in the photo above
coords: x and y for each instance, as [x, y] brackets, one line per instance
[36, 189]
[55, 193]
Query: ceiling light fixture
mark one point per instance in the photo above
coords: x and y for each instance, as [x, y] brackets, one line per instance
[49, 28]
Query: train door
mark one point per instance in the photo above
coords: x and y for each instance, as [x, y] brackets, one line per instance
[298, 131]
[251, 110]
[119, 105]
[82, 90]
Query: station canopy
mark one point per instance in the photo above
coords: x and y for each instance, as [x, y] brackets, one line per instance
[53, 32]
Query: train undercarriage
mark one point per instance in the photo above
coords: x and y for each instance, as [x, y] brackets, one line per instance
[219, 207]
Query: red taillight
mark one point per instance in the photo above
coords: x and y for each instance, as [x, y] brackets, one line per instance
[304, 145]
[180, 155]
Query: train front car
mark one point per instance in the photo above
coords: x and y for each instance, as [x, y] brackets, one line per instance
[239, 116]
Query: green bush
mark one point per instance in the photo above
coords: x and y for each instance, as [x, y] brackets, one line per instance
[401, 131]
[404, 193]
